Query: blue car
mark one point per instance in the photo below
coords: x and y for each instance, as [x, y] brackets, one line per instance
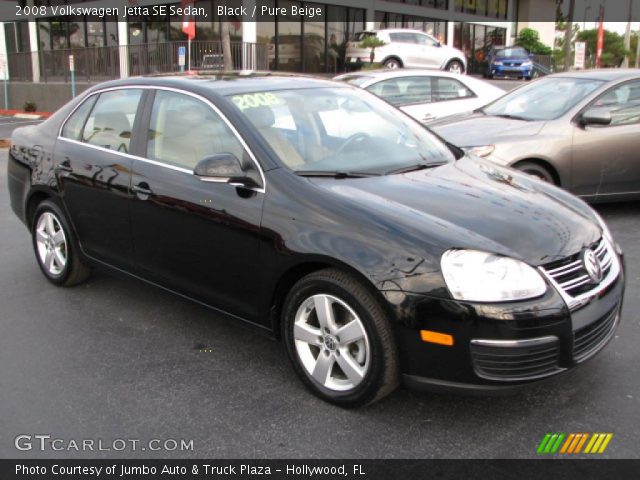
[510, 62]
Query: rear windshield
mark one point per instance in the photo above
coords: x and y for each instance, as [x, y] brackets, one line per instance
[360, 36]
[357, 80]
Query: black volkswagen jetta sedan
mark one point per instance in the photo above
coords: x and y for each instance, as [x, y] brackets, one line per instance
[323, 215]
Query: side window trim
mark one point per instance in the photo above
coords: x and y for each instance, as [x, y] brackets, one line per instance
[146, 125]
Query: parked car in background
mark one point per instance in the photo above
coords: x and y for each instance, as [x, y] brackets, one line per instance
[578, 130]
[510, 62]
[406, 48]
[426, 95]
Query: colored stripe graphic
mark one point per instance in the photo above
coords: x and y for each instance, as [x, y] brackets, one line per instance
[550, 443]
[573, 443]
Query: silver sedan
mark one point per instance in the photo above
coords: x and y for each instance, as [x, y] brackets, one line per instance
[579, 130]
[426, 95]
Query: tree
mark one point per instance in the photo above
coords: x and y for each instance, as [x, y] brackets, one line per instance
[226, 46]
[613, 52]
[371, 41]
[529, 39]
[568, 33]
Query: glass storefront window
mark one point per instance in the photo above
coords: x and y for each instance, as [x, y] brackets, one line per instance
[77, 33]
[337, 33]
[289, 40]
[314, 44]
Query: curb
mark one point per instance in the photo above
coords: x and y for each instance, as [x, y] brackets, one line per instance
[25, 115]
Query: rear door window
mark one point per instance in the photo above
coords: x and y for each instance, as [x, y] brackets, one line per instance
[445, 89]
[110, 123]
[73, 128]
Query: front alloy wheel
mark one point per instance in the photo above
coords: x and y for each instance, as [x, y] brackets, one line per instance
[331, 342]
[339, 340]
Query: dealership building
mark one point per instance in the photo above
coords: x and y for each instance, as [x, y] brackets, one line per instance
[37, 52]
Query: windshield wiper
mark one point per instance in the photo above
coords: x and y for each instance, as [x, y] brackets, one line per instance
[333, 174]
[507, 115]
[413, 168]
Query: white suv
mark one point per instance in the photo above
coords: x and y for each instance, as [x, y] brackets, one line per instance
[406, 48]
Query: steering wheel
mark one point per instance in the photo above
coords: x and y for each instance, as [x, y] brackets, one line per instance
[356, 137]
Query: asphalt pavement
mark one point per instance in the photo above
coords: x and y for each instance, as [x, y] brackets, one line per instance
[116, 358]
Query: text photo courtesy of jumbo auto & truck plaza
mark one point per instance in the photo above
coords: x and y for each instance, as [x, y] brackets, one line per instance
[285, 239]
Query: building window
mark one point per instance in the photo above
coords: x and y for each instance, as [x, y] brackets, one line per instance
[309, 46]
[435, 28]
[484, 8]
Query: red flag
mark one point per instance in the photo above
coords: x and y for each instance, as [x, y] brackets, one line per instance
[600, 45]
[188, 23]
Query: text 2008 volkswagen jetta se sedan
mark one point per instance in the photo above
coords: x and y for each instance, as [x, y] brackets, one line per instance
[320, 213]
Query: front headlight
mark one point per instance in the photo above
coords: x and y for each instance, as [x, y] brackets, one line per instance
[497, 63]
[475, 276]
[482, 150]
[527, 64]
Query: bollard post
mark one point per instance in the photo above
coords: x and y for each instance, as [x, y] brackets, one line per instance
[72, 69]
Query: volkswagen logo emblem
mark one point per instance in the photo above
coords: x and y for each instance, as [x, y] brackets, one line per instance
[330, 343]
[592, 265]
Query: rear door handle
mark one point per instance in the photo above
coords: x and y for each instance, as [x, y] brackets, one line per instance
[142, 190]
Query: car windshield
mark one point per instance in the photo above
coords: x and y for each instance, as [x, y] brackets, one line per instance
[545, 99]
[511, 52]
[340, 130]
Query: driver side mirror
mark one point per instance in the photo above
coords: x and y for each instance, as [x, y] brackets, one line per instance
[596, 116]
[223, 168]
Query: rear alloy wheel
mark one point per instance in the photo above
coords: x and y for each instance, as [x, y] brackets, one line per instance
[55, 248]
[455, 66]
[339, 340]
[536, 170]
[392, 64]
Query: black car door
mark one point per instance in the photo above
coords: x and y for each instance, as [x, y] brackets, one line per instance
[94, 170]
[195, 237]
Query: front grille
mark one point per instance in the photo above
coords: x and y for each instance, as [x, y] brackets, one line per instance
[589, 339]
[570, 274]
[524, 360]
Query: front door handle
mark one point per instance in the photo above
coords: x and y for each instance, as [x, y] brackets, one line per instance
[142, 190]
[64, 166]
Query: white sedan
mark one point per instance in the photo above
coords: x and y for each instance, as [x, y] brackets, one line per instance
[426, 95]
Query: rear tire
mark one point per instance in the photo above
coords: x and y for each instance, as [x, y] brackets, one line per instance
[536, 170]
[392, 64]
[455, 66]
[56, 248]
[339, 340]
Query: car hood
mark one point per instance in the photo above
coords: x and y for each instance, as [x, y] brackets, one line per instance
[479, 129]
[473, 203]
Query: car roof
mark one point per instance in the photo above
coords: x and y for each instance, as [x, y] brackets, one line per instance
[604, 74]
[223, 83]
[395, 30]
[404, 72]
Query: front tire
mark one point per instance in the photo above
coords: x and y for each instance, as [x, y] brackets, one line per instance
[55, 247]
[339, 340]
[536, 170]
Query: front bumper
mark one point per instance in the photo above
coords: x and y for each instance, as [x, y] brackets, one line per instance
[506, 71]
[503, 346]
